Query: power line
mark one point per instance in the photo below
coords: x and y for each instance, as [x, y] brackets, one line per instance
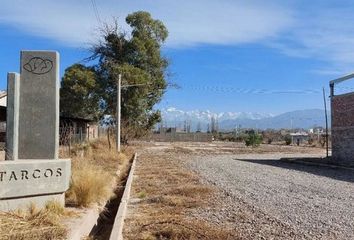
[260, 91]
[225, 89]
[95, 10]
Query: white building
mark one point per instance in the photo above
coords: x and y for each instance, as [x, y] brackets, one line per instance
[3, 99]
[299, 137]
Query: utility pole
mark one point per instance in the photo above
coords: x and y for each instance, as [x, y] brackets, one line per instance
[291, 125]
[118, 111]
[119, 98]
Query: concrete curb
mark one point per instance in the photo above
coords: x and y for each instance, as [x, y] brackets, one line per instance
[82, 227]
[117, 230]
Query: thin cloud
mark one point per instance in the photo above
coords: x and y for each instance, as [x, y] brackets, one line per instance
[64, 21]
[329, 72]
[323, 34]
[319, 30]
[190, 23]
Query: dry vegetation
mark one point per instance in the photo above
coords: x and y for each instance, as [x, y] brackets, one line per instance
[169, 201]
[2, 155]
[237, 148]
[94, 179]
[165, 193]
[94, 173]
[34, 223]
[88, 185]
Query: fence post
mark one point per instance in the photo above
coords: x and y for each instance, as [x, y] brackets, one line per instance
[88, 132]
[80, 131]
[70, 138]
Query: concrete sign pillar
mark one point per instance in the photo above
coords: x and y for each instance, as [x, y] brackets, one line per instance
[39, 105]
[13, 94]
[36, 174]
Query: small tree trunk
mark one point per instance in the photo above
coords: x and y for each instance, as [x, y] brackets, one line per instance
[108, 138]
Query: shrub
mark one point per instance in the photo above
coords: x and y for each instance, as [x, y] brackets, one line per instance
[242, 137]
[94, 173]
[287, 139]
[253, 139]
[89, 184]
[55, 208]
[142, 194]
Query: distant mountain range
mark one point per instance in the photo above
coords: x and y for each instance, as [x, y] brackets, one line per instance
[306, 119]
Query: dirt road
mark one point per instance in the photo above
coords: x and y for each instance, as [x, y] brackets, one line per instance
[312, 202]
[258, 196]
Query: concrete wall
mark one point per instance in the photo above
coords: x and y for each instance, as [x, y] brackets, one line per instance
[343, 128]
[181, 137]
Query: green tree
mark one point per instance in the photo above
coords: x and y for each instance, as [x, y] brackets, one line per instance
[78, 96]
[138, 58]
[253, 139]
[287, 139]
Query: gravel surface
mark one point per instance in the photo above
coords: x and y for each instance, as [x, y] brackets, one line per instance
[265, 198]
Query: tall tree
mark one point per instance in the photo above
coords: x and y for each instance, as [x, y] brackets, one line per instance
[78, 96]
[138, 58]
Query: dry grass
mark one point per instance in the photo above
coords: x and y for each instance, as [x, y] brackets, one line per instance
[94, 176]
[175, 201]
[176, 228]
[236, 148]
[179, 150]
[33, 223]
[170, 193]
[109, 159]
[88, 185]
[95, 172]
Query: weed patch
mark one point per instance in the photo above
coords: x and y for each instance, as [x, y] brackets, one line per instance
[94, 173]
[171, 193]
[33, 223]
[89, 184]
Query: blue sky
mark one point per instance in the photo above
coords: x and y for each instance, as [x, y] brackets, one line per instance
[227, 55]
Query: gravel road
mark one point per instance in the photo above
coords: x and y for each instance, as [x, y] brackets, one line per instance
[265, 198]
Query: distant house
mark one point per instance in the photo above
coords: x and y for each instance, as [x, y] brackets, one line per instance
[75, 130]
[171, 130]
[3, 99]
[2, 114]
[3, 106]
[299, 137]
[71, 128]
[2, 123]
[173, 134]
[2, 117]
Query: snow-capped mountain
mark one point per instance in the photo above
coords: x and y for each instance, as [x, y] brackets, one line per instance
[176, 117]
[173, 114]
[173, 117]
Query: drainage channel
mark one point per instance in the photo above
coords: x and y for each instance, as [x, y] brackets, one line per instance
[102, 230]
